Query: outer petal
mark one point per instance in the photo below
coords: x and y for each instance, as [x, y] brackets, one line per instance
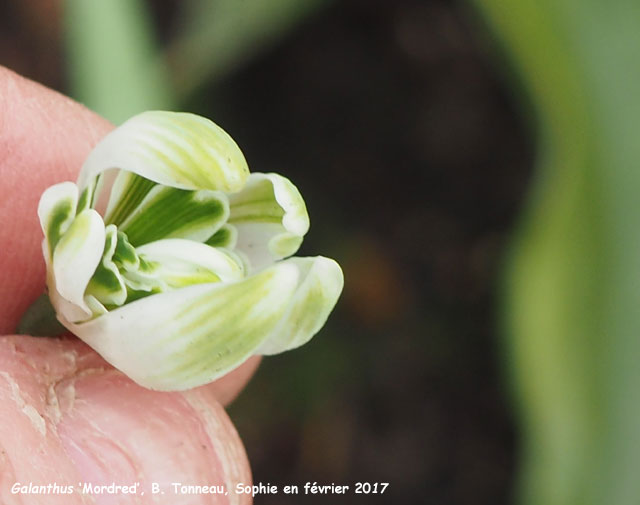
[318, 289]
[191, 336]
[270, 217]
[172, 148]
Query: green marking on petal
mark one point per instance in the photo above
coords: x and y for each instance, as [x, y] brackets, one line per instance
[281, 245]
[224, 237]
[242, 299]
[244, 313]
[146, 267]
[174, 149]
[56, 210]
[88, 195]
[175, 213]
[125, 254]
[256, 203]
[137, 294]
[106, 284]
[85, 199]
[143, 280]
[61, 215]
[127, 193]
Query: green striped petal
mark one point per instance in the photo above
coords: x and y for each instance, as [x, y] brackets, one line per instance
[178, 263]
[188, 337]
[107, 285]
[126, 195]
[126, 274]
[56, 211]
[319, 286]
[174, 149]
[75, 259]
[89, 193]
[270, 217]
[176, 213]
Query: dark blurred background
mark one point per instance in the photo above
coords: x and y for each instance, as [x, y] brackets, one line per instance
[403, 138]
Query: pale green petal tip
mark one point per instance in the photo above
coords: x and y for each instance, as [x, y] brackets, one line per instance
[175, 149]
[295, 219]
[284, 245]
[320, 285]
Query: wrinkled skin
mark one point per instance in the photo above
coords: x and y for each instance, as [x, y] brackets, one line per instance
[66, 416]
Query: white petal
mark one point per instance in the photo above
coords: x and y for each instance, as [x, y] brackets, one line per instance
[191, 336]
[180, 263]
[319, 287]
[75, 259]
[270, 217]
[172, 148]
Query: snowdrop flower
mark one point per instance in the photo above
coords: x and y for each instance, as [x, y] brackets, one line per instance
[173, 262]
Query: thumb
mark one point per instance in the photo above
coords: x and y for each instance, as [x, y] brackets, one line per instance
[69, 419]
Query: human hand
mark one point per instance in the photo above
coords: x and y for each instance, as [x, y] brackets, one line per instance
[67, 416]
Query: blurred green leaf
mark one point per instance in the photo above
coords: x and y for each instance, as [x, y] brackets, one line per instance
[218, 35]
[40, 320]
[573, 286]
[114, 65]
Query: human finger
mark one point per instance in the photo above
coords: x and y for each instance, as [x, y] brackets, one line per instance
[69, 419]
